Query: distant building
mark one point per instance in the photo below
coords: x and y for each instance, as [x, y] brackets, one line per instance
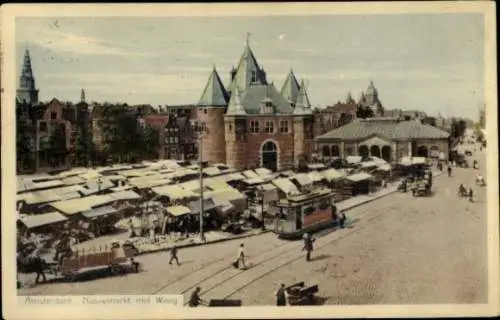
[370, 99]
[385, 138]
[334, 116]
[27, 91]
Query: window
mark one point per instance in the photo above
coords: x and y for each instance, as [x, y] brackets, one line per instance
[53, 115]
[284, 126]
[254, 76]
[43, 126]
[254, 126]
[269, 127]
[230, 127]
[324, 204]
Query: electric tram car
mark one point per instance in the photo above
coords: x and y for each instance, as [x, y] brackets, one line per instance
[307, 212]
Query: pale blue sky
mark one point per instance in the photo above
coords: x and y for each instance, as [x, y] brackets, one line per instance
[431, 62]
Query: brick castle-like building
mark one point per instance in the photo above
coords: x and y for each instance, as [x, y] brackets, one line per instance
[252, 124]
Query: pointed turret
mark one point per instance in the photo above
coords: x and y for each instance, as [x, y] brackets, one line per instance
[27, 90]
[82, 96]
[303, 106]
[248, 71]
[362, 98]
[349, 98]
[291, 88]
[235, 107]
[214, 93]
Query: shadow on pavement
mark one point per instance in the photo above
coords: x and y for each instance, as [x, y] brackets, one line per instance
[320, 301]
[321, 257]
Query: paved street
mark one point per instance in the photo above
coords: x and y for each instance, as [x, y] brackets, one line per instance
[400, 249]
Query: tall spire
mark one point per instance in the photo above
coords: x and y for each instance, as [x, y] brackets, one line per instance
[214, 93]
[27, 90]
[82, 96]
[235, 107]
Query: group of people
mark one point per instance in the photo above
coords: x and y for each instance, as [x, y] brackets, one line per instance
[464, 192]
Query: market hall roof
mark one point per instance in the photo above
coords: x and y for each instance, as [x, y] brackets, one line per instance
[388, 128]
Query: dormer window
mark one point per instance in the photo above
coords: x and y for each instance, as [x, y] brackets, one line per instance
[254, 77]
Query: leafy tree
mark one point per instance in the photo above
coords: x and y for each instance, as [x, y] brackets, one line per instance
[57, 145]
[344, 119]
[83, 149]
[151, 139]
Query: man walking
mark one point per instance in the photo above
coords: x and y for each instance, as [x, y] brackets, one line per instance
[240, 258]
[39, 264]
[281, 296]
[173, 255]
[342, 219]
[308, 246]
[449, 170]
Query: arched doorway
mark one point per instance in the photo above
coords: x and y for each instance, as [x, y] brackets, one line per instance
[386, 153]
[422, 152]
[269, 157]
[335, 151]
[326, 151]
[375, 151]
[363, 151]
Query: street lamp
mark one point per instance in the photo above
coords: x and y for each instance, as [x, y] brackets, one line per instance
[201, 130]
[99, 183]
[263, 227]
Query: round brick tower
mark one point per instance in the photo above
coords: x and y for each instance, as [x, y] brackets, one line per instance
[236, 132]
[211, 118]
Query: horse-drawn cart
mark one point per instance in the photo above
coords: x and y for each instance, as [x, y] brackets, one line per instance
[299, 294]
[116, 258]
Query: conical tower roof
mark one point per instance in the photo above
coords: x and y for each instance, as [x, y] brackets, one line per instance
[291, 88]
[303, 106]
[214, 93]
[235, 107]
[248, 70]
[349, 98]
[371, 89]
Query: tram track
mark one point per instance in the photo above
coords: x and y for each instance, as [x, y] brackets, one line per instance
[265, 263]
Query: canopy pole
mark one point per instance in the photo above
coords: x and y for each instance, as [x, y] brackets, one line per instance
[200, 157]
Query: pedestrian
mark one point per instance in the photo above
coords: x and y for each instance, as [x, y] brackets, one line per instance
[240, 258]
[342, 219]
[173, 255]
[471, 195]
[39, 266]
[195, 299]
[308, 246]
[281, 296]
[449, 171]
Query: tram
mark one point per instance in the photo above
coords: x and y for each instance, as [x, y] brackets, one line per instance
[305, 212]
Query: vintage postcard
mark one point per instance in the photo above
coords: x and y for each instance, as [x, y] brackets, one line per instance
[257, 160]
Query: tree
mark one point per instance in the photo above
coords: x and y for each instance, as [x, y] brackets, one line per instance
[83, 150]
[151, 139]
[24, 148]
[57, 145]
[364, 112]
[344, 119]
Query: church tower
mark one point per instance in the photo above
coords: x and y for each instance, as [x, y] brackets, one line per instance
[27, 92]
[210, 116]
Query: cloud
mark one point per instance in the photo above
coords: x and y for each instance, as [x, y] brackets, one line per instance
[60, 41]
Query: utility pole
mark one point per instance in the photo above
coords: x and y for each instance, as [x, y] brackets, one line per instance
[200, 165]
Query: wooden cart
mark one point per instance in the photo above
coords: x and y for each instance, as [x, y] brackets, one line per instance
[116, 259]
[299, 294]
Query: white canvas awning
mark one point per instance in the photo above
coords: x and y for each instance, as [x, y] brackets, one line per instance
[178, 210]
[354, 159]
[263, 172]
[332, 174]
[249, 174]
[173, 192]
[303, 179]
[359, 177]
[369, 164]
[286, 186]
[316, 166]
[124, 195]
[99, 212]
[38, 220]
